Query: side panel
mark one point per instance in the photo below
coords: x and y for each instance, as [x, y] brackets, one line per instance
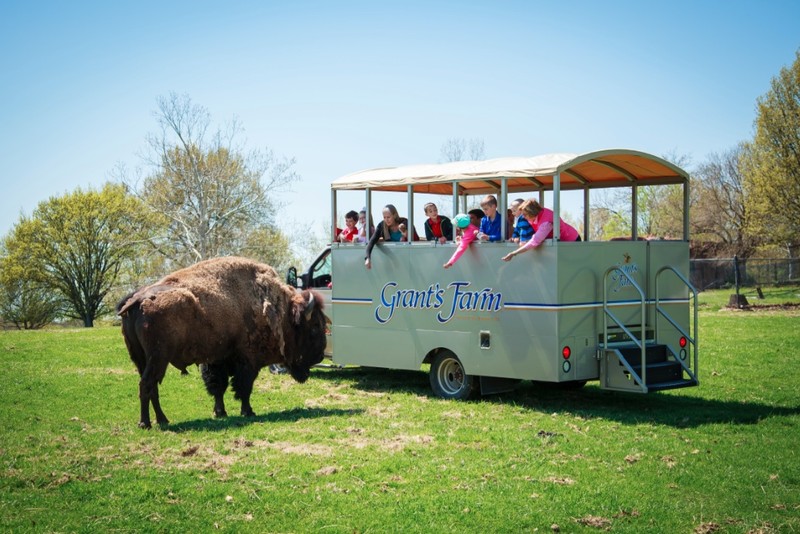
[407, 305]
[502, 319]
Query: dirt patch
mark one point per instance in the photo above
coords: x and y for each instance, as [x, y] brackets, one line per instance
[707, 528]
[398, 443]
[304, 449]
[790, 307]
[594, 521]
[395, 444]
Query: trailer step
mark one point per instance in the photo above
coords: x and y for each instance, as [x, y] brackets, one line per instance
[660, 372]
[653, 353]
[622, 362]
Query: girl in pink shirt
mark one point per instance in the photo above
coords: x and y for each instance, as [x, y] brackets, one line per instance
[541, 220]
[469, 233]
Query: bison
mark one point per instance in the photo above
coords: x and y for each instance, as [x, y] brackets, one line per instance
[231, 316]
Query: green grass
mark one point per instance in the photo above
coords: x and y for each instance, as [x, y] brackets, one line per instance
[360, 450]
[718, 299]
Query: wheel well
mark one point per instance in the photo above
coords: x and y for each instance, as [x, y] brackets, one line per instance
[433, 352]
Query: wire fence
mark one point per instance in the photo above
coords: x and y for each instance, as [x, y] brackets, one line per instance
[716, 273]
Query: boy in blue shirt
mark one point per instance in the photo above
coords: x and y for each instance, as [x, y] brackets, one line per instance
[491, 224]
[523, 231]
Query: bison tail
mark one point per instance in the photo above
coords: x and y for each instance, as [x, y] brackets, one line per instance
[125, 302]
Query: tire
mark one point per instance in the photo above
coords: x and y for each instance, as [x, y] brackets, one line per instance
[448, 379]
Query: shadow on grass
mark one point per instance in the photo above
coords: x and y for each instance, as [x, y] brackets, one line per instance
[674, 408]
[290, 416]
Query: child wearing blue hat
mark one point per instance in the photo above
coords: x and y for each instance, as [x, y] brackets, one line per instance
[469, 232]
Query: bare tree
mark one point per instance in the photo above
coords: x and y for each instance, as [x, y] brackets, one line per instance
[460, 149]
[211, 192]
[720, 210]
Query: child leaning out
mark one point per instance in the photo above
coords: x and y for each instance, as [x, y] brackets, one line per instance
[469, 232]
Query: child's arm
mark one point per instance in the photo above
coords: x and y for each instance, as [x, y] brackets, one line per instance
[469, 236]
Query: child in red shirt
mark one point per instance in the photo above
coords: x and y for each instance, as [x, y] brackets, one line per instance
[350, 231]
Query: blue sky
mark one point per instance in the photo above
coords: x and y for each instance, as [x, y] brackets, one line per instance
[342, 86]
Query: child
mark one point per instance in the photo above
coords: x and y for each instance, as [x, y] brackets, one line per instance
[475, 216]
[391, 228]
[522, 228]
[350, 231]
[469, 232]
[437, 227]
[362, 236]
[541, 220]
[491, 223]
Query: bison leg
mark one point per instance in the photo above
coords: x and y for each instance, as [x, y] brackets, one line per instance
[215, 377]
[148, 392]
[144, 407]
[243, 378]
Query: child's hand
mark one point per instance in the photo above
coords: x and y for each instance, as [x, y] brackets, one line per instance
[448, 265]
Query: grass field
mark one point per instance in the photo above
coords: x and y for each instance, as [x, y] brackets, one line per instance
[357, 450]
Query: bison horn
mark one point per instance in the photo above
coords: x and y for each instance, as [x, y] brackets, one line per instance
[309, 305]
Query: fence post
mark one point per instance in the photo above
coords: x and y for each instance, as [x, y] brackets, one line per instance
[737, 300]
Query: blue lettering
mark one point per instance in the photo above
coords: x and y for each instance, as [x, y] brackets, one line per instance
[621, 281]
[392, 299]
[386, 304]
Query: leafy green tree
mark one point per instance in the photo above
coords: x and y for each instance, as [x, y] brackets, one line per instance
[24, 301]
[772, 163]
[211, 193]
[269, 246]
[659, 209]
[27, 305]
[74, 245]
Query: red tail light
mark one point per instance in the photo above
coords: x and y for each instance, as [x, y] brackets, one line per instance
[566, 352]
[682, 342]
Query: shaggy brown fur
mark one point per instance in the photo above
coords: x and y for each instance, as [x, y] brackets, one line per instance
[231, 315]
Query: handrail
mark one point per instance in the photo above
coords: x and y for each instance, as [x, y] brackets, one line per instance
[607, 313]
[693, 340]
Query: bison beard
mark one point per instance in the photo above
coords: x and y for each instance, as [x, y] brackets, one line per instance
[232, 317]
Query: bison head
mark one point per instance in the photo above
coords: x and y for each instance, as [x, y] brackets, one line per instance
[310, 339]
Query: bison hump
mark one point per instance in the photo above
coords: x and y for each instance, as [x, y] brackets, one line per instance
[164, 293]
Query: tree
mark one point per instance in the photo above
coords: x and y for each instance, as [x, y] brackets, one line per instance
[773, 163]
[28, 305]
[720, 212]
[211, 194]
[24, 300]
[659, 209]
[74, 246]
[460, 149]
[270, 246]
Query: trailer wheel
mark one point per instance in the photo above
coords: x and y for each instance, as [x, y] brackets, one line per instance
[448, 379]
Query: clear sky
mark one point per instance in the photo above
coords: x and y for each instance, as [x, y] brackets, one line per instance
[343, 86]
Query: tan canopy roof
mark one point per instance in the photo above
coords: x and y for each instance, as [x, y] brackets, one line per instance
[606, 168]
